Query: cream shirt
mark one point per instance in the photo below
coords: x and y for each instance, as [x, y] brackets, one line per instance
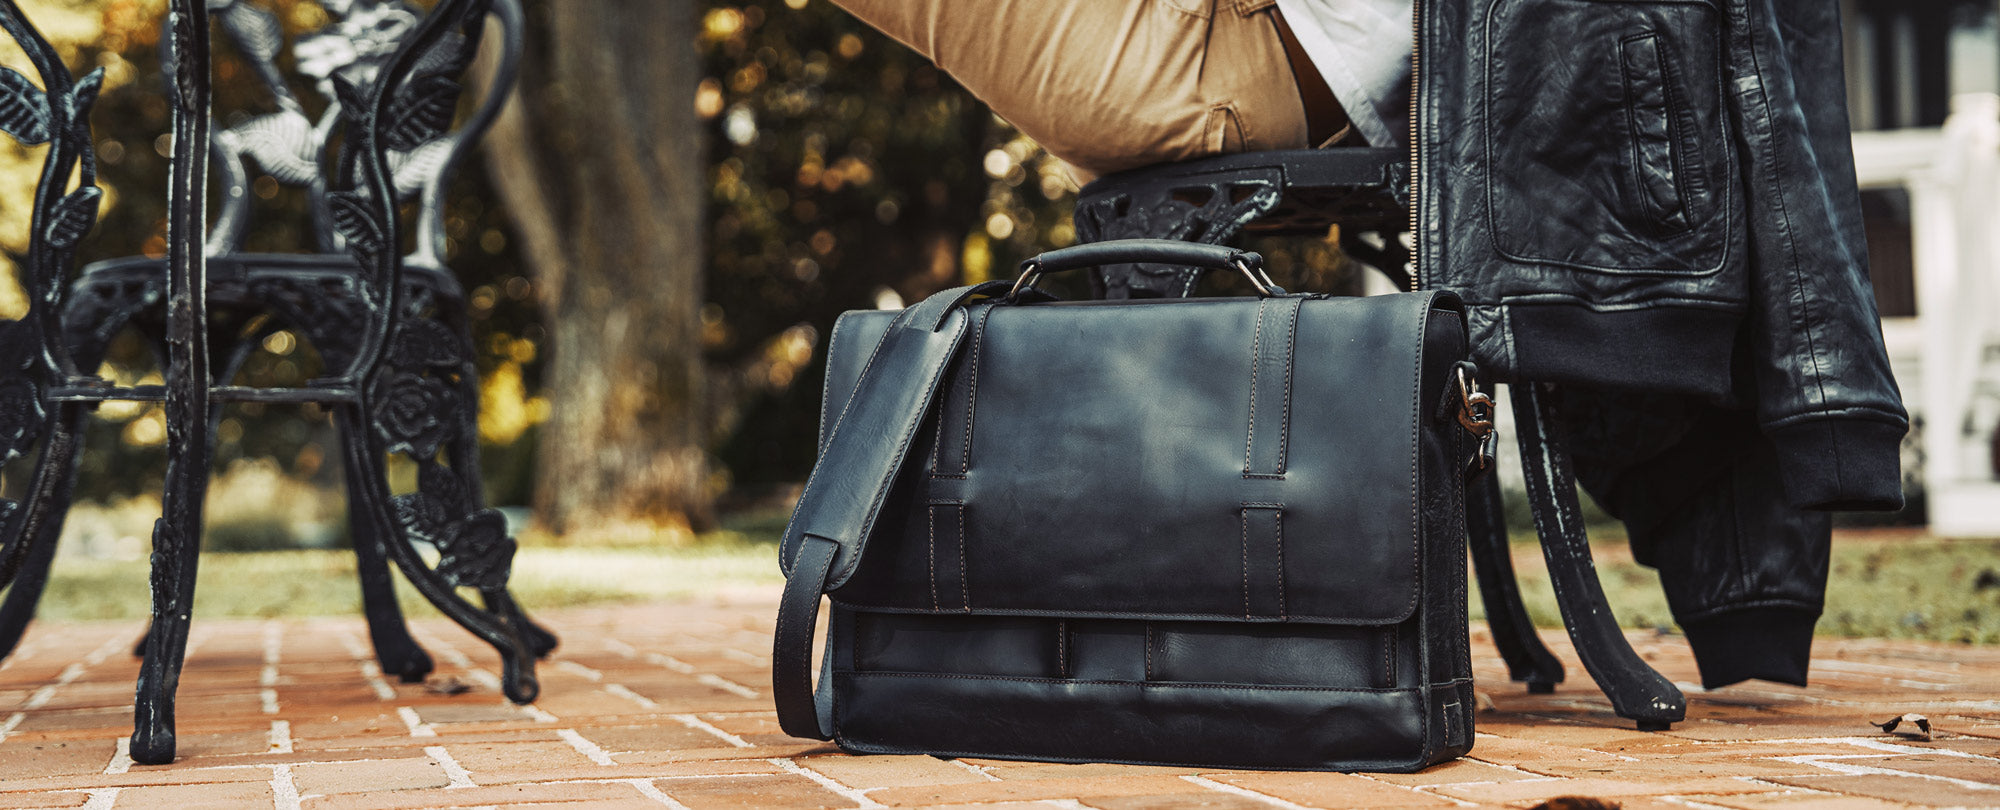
[1362, 50]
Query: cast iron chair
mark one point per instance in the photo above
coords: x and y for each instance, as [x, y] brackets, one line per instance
[1365, 192]
[390, 328]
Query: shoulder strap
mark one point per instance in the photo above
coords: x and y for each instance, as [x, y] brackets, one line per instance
[864, 451]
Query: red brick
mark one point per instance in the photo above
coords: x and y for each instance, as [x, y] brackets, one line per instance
[369, 775]
[785, 789]
[227, 796]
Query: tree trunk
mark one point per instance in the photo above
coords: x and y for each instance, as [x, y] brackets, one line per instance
[599, 165]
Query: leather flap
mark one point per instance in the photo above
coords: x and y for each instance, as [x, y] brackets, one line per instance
[1211, 459]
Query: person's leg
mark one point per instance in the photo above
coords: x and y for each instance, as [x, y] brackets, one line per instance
[1113, 84]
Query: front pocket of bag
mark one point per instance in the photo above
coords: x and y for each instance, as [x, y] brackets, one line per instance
[1606, 147]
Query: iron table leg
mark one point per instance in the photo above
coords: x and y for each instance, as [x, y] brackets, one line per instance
[1527, 658]
[1637, 692]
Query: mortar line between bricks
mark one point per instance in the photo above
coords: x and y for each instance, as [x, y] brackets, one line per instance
[418, 728]
[581, 671]
[670, 662]
[459, 776]
[584, 746]
[1869, 770]
[284, 791]
[727, 685]
[372, 673]
[824, 781]
[1691, 803]
[1419, 791]
[974, 768]
[652, 791]
[1507, 766]
[1894, 748]
[694, 722]
[352, 644]
[281, 737]
[1233, 790]
[102, 799]
[121, 758]
[621, 690]
[743, 657]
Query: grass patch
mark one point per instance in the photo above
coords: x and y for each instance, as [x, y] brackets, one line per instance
[322, 583]
[1915, 588]
[1901, 587]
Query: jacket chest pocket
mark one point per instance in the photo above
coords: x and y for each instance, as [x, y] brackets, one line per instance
[1606, 143]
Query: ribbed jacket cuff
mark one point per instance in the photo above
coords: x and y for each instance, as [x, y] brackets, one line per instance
[1841, 464]
[1770, 643]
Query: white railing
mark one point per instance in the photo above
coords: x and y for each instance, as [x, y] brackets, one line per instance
[1948, 358]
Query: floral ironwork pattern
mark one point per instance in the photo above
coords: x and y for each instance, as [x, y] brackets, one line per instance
[54, 112]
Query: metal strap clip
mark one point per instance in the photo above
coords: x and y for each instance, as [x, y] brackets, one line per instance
[1475, 414]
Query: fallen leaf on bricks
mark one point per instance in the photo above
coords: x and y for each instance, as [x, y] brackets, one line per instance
[1907, 726]
[1577, 803]
[447, 686]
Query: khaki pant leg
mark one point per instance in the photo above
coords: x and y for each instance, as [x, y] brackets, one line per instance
[1113, 84]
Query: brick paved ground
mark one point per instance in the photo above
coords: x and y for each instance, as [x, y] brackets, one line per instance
[666, 705]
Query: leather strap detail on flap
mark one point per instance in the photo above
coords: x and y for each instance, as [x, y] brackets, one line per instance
[1263, 561]
[872, 436]
[1271, 387]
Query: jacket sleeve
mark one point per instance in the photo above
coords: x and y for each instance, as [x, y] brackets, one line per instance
[1824, 392]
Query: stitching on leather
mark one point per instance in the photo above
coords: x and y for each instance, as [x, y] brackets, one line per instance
[947, 676]
[1134, 616]
[1285, 407]
[937, 441]
[1243, 516]
[1062, 647]
[971, 397]
[1250, 437]
[972, 391]
[964, 589]
[1149, 651]
[1279, 517]
[832, 341]
[1416, 426]
[930, 522]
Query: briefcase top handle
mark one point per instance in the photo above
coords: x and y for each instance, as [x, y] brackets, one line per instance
[1148, 251]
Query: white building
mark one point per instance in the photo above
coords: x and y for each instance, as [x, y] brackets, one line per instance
[1922, 84]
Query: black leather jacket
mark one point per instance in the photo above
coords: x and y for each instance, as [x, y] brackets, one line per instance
[1660, 196]
[1653, 202]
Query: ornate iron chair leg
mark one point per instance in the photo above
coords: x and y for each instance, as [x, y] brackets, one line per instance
[396, 652]
[177, 535]
[1637, 692]
[176, 556]
[1527, 658]
[501, 623]
[41, 525]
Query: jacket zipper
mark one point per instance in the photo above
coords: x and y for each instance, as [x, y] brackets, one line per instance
[1416, 174]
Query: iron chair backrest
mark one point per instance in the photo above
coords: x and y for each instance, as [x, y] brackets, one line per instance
[290, 148]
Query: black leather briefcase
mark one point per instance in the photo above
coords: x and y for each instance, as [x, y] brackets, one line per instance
[1215, 532]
